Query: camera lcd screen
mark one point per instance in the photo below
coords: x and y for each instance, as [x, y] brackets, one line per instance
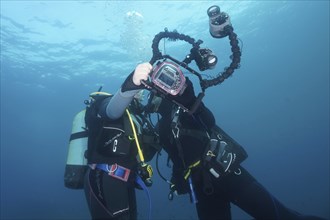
[166, 79]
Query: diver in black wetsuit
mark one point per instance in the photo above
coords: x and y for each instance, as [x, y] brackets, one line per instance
[186, 148]
[112, 157]
[211, 193]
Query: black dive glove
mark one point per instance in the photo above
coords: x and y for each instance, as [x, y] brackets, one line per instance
[145, 171]
[129, 85]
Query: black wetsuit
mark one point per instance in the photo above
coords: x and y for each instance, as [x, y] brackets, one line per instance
[106, 196]
[239, 188]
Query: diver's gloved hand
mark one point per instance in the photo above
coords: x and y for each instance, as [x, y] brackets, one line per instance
[145, 171]
[133, 81]
[188, 97]
[141, 73]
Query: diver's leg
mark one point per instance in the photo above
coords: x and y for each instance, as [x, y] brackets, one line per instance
[94, 195]
[117, 196]
[211, 206]
[132, 203]
[97, 196]
[253, 198]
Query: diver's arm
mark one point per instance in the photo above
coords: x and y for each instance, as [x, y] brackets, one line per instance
[119, 102]
[123, 97]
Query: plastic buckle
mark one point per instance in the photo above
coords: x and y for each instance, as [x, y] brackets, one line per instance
[176, 131]
[210, 153]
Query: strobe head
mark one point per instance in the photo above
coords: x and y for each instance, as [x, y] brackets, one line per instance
[204, 58]
[218, 21]
[213, 11]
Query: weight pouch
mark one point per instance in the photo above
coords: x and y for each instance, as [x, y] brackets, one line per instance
[223, 154]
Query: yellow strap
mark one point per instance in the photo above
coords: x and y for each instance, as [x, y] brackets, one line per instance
[135, 137]
[190, 167]
[195, 164]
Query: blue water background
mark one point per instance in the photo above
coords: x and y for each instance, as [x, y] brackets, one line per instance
[54, 53]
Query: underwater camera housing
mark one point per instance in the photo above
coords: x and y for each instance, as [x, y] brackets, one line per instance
[168, 77]
[218, 21]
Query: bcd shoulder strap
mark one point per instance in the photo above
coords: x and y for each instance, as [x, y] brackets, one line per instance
[93, 122]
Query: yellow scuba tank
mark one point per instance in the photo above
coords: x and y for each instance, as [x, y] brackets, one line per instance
[76, 164]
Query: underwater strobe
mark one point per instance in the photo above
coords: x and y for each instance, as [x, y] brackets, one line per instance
[218, 22]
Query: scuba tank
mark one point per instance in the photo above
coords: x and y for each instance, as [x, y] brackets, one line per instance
[76, 164]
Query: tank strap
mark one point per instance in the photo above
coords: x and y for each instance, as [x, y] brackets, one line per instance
[77, 135]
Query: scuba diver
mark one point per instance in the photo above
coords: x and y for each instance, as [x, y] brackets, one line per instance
[206, 165]
[115, 169]
[206, 160]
